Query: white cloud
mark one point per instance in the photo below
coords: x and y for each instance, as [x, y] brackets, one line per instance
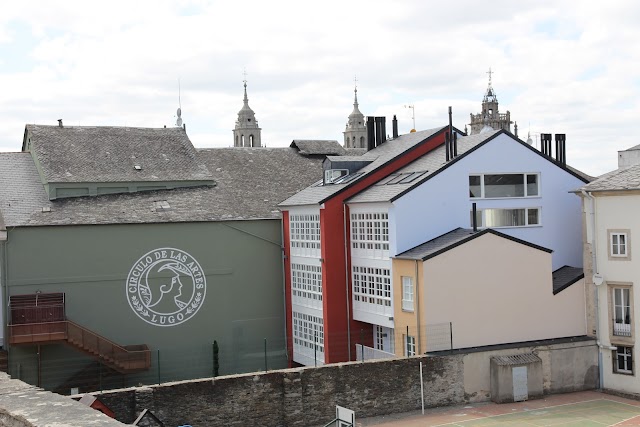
[560, 67]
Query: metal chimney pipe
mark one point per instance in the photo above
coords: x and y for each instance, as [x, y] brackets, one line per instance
[371, 133]
[60, 123]
[394, 124]
[455, 144]
[447, 144]
[474, 218]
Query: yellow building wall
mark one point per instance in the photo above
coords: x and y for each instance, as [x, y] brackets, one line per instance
[403, 319]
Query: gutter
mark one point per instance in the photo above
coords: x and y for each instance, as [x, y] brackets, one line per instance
[591, 227]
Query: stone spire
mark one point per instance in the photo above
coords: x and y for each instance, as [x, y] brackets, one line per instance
[355, 133]
[490, 117]
[246, 132]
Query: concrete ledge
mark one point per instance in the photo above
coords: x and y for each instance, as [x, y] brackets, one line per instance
[23, 405]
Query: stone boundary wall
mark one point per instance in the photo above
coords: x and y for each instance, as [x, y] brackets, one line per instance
[307, 396]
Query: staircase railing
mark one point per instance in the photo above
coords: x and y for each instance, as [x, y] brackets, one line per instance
[121, 358]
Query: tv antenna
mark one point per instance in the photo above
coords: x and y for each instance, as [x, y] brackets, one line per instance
[179, 112]
[413, 115]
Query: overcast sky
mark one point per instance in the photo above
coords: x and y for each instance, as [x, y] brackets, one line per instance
[559, 67]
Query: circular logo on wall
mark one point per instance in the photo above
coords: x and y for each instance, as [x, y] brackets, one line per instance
[166, 287]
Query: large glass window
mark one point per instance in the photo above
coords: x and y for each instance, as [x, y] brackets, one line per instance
[410, 345]
[370, 231]
[372, 285]
[507, 217]
[491, 186]
[621, 312]
[306, 285]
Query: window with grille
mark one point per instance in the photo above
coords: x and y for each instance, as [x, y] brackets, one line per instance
[306, 284]
[308, 331]
[304, 232]
[372, 285]
[370, 231]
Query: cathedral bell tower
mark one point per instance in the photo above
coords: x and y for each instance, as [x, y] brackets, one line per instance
[355, 134]
[490, 116]
[246, 132]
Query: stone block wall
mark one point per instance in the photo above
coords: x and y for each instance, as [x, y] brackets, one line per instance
[297, 397]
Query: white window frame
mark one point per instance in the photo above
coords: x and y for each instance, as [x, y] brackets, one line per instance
[627, 354]
[304, 234]
[307, 328]
[409, 345]
[371, 285]
[370, 234]
[618, 242]
[407, 293]
[306, 285]
[524, 181]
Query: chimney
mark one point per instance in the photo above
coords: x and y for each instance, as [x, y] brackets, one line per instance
[545, 143]
[371, 134]
[474, 217]
[395, 126]
[380, 130]
[60, 123]
[561, 155]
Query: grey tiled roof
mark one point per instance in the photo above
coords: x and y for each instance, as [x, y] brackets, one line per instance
[617, 180]
[565, 277]
[21, 191]
[249, 184]
[438, 244]
[108, 154]
[635, 147]
[311, 147]
[380, 155]
[430, 163]
[454, 238]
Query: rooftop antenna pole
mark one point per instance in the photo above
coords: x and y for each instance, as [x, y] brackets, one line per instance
[179, 112]
[413, 114]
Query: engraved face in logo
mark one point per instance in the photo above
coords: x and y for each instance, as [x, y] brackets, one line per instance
[166, 287]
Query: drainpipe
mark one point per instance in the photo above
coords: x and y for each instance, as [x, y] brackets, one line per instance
[346, 276]
[284, 292]
[591, 223]
[417, 302]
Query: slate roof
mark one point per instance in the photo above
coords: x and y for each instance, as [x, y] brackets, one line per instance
[456, 237]
[429, 163]
[249, 184]
[379, 156]
[432, 163]
[21, 191]
[565, 277]
[314, 147]
[109, 154]
[617, 180]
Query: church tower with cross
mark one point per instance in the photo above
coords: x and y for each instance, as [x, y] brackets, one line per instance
[490, 116]
[355, 133]
[246, 132]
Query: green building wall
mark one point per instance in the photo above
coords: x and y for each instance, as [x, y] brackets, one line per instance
[243, 308]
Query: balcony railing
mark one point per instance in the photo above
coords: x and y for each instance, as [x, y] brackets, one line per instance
[622, 329]
[368, 353]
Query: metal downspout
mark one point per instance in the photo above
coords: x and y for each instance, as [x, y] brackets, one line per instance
[417, 302]
[284, 291]
[346, 277]
[594, 268]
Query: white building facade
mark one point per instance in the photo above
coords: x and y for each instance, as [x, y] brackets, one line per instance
[612, 225]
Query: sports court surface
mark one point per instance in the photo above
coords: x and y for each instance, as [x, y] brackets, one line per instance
[588, 409]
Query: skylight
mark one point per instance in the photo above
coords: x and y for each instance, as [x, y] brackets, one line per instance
[401, 178]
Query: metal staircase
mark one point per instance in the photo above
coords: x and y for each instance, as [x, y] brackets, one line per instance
[39, 319]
